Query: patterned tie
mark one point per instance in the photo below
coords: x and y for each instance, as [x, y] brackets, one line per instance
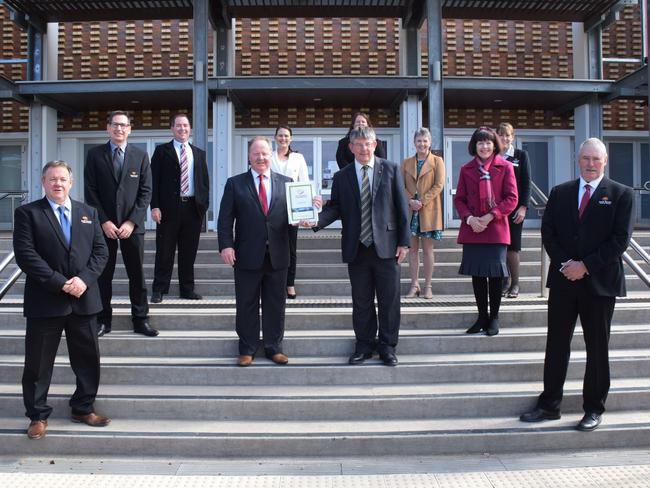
[65, 224]
[263, 202]
[366, 209]
[585, 200]
[185, 172]
[118, 161]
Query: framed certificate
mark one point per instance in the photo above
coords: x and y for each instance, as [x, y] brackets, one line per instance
[300, 205]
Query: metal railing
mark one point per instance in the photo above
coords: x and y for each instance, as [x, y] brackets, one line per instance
[539, 200]
[13, 196]
[14, 276]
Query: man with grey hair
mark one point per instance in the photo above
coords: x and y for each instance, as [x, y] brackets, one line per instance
[60, 247]
[586, 229]
[368, 196]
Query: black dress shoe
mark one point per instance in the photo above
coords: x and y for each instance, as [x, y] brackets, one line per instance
[589, 422]
[144, 328]
[493, 327]
[389, 359]
[103, 328]
[480, 324]
[190, 295]
[359, 357]
[539, 415]
[156, 297]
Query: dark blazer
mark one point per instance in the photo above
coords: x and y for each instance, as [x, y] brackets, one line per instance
[118, 201]
[390, 214]
[240, 206]
[344, 156]
[598, 239]
[521, 165]
[467, 202]
[166, 180]
[43, 254]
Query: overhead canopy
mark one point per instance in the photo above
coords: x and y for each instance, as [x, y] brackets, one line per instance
[412, 12]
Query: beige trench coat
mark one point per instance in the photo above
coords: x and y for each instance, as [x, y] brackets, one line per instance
[428, 187]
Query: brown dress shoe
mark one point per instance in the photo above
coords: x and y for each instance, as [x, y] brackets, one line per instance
[279, 358]
[37, 429]
[245, 360]
[91, 419]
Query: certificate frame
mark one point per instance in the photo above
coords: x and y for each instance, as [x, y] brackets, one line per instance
[300, 206]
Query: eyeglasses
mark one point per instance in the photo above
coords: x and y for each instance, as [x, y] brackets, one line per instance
[117, 125]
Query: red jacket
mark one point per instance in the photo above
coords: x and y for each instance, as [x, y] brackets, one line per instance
[467, 202]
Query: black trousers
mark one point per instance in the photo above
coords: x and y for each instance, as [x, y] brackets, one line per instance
[269, 285]
[41, 343]
[133, 257]
[565, 305]
[183, 230]
[370, 275]
[293, 255]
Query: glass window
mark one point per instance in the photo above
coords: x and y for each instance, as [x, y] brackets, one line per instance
[306, 148]
[538, 158]
[328, 163]
[621, 162]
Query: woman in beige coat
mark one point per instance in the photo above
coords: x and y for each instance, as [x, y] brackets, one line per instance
[424, 177]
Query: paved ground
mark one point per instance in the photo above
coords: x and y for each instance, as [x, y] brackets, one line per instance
[602, 469]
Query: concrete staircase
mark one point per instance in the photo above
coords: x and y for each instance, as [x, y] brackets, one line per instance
[181, 394]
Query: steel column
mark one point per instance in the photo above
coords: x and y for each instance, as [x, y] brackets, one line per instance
[434, 46]
[200, 80]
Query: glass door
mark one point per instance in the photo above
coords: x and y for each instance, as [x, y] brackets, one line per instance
[456, 156]
[12, 178]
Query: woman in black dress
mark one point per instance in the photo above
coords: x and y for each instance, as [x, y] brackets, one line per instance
[343, 154]
[519, 160]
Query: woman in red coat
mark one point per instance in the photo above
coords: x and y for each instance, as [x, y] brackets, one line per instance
[485, 195]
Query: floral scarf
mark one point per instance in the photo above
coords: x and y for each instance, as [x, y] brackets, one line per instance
[486, 194]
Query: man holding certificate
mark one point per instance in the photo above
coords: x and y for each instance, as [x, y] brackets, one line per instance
[254, 206]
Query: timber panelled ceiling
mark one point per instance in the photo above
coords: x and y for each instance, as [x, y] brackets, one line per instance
[412, 12]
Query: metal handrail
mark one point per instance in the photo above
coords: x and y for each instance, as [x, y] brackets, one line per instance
[645, 277]
[19, 195]
[14, 276]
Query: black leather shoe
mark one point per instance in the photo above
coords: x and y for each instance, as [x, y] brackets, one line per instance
[190, 295]
[589, 422]
[145, 329]
[493, 327]
[480, 324]
[359, 357]
[539, 415]
[103, 328]
[389, 359]
[156, 297]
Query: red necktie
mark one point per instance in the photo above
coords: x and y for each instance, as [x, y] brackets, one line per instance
[263, 202]
[585, 200]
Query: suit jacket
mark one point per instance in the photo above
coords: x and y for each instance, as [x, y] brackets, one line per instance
[521, 165]
[166, 180]
[428, 187]
[253, 231]
[344, 156]
[390, 213]
[118, 201]
[43, 254]
[468, 202]
[598, 239]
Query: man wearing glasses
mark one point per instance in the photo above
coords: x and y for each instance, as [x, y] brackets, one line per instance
[117, 182]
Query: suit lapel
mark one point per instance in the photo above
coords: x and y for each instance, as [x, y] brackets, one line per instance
[171, 151]
[253, 190]
[354, 183]
[277, 190]
[376, 178]
[598, 195]
[108, 158]
[574, 201]
[54, 222]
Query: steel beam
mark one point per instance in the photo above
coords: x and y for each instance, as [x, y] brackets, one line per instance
[200, 81]
[436, 99]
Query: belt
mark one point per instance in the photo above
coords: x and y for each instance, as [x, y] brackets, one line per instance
[186, 199]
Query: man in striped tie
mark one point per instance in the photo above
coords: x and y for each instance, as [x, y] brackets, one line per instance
[179, 200]
[368, 197]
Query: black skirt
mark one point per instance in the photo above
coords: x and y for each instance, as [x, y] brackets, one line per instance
[515, 234]
[488, 260]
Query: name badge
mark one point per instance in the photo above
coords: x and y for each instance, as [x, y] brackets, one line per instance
[133, 174]
[604, 201]
[86, 220]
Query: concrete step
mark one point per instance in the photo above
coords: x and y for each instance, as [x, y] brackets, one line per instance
[423, 368]
[248, 438]
[328, 343]
[324, 403]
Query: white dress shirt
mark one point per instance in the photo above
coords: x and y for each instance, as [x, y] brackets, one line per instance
[371, 172]
[593, 184]
[68, 209]
[190, 164]
[267, 184]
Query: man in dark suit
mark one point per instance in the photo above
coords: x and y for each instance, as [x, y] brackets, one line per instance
[59, 246]
[180, 198]
[254, 203]
[368, 197]
[586, 228]
[117, 180]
